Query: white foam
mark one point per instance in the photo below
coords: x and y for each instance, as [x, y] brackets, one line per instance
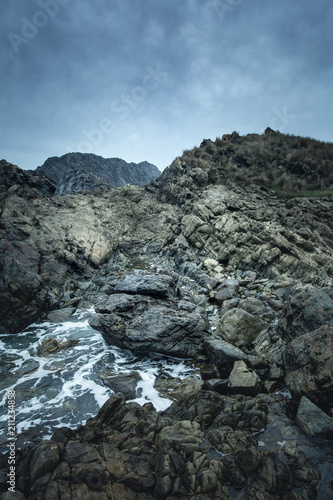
[75, 392]
[149, 393]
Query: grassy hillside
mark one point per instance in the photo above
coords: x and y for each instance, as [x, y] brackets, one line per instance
[287, 164]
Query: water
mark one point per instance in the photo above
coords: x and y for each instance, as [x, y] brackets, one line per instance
[66, 388]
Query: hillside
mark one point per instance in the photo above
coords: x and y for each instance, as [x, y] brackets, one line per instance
[288, 165]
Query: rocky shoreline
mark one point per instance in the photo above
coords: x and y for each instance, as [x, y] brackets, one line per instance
[231, 277]
[259, 422]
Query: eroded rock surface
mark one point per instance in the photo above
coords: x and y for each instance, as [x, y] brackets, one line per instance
[144, 323]
[203, 446]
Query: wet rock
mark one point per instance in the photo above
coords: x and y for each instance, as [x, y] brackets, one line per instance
[124, 383]
[144, 324]
[52, 346]
[60, 314]
[313, 420]
[308, 360]
[44, 460]
[242, 381]
[217, 384]
[187, 386]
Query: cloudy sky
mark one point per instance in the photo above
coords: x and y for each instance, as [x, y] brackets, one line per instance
[146, 79]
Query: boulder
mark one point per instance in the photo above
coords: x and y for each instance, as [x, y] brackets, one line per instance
[160, 285]
[52, 346]
[221, 353]
[239, 325]
[306, 308]
[308, 361]
[145, 324]
[313, 420]
[226, 291]
[123, 383]
[242, 381]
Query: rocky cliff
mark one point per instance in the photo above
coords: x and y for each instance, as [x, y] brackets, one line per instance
[154, 261]
[77, 172]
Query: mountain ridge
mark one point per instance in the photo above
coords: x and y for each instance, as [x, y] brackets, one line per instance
[78, 172]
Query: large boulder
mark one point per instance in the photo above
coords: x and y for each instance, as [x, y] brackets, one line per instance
[144, 323]
[238, 325]
[313, 420]
[159, 286]
[308, 360]
[306, 309]
[242, 380]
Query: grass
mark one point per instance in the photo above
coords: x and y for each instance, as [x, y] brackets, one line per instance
[286, 164]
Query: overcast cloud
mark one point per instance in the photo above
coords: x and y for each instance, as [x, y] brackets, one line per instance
[146, 79]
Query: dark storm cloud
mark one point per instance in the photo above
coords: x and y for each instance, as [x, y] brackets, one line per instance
[146, 79]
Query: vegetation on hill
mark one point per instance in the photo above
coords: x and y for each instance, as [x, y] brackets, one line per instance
[287, 164]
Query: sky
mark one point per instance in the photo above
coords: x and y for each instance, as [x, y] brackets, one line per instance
[148, 79]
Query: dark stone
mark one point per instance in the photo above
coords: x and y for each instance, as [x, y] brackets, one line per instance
[305, 309]
[77, 172]
[221, 353]
[52, 346]
[144, 324]
[155, 285]
[308, 360]
[226, 291]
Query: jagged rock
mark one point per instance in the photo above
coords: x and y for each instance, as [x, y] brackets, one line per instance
[242, 381]
[124, 383]
[160, 286]
[308, 360]
[238, 325]
[313, 420]
[52, 346]
[144, 324]
[222, 354]
[226, 290]
[305, 309]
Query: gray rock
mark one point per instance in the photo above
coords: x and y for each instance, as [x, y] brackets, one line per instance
[76, 172]
[313, 420]
[242, 381]
[227, 290]
[221, 353]
[124, 383]
[306, 308]
[308, 361]
[144, 324]
[239, 325]
[160, 286]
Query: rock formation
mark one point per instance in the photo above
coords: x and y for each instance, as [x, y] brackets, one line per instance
[238, 277]
[78, 172]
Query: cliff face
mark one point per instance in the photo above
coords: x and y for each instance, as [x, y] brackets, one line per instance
[77, 172]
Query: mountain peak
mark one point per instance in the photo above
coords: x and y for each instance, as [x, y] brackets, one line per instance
[77, 172]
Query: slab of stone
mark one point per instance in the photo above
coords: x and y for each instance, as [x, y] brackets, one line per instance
[221, 353]
[227, 290]
[160, 285]
[242, 381]
[313, 420]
